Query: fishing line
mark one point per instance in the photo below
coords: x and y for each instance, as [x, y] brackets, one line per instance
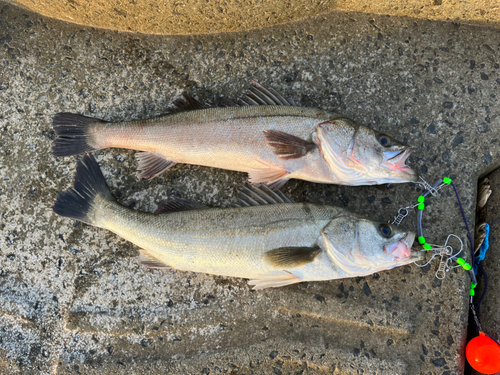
[479, 352]
[446, 253]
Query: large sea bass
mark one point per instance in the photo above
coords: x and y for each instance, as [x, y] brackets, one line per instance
[267, 136]
[273, 241]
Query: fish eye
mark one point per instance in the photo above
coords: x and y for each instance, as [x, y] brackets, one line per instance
[385, 230]
[384, 140]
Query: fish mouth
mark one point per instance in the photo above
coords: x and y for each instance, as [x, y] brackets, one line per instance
[409, 239]
[402, 251]
[398, 163]
[414, 255]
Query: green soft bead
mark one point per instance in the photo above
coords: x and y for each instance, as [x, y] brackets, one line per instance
[467, 266]
[472, 292]
[460, 261]
[447, 180]
[421, 240]
[427, 246]
[421, 206]
[421, 199]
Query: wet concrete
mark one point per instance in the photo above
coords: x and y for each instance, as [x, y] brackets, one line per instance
[74, 298]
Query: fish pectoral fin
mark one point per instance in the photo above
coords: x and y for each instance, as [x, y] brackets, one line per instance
[288, 146]
[152, 164]
[289, 257]
[268, 174]
[175, 204]
[274, 281]
[149, 261]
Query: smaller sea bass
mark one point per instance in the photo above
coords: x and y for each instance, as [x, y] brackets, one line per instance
[272, 241]
[267, 136]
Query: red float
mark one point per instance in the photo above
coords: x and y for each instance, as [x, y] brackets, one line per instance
[483, 354]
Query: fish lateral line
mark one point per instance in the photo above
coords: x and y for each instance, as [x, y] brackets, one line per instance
[237, 241]
[197, 134]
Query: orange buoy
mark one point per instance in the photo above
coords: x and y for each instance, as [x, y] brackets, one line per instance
[483, 354]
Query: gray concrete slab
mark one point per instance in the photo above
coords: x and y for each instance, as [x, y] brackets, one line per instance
[75, 300]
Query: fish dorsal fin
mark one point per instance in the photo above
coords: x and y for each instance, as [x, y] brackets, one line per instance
[289, 257]
[276, 185]
[187, 104]
[149, 261]
[260, 194]
[175, 204]
[259, 95]
[255, 95]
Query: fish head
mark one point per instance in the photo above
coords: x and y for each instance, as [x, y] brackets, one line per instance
[361, 247]
[359, 155]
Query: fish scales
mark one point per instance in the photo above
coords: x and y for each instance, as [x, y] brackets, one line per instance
[274, 244]
[271, 142]
[229, 241]
[226, 138]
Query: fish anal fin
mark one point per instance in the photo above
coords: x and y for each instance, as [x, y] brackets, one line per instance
[175, 204]
[267, 174]
[264, 282]
[289, 257]
[152, 164]
[288, 146]
[149, 261]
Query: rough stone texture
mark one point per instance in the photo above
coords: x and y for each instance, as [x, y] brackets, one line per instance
[75, 300]
[202, 16]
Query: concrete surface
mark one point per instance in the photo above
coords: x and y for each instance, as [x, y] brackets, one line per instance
[74, 299]
[202, 16]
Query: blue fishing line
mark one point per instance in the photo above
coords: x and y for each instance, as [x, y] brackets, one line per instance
[482, 253]
[484, 247]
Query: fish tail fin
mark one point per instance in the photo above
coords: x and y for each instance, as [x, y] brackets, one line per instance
[72, 134]
[88, 192]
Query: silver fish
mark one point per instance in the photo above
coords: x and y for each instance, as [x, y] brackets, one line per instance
[267, 136]
[273, 241]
